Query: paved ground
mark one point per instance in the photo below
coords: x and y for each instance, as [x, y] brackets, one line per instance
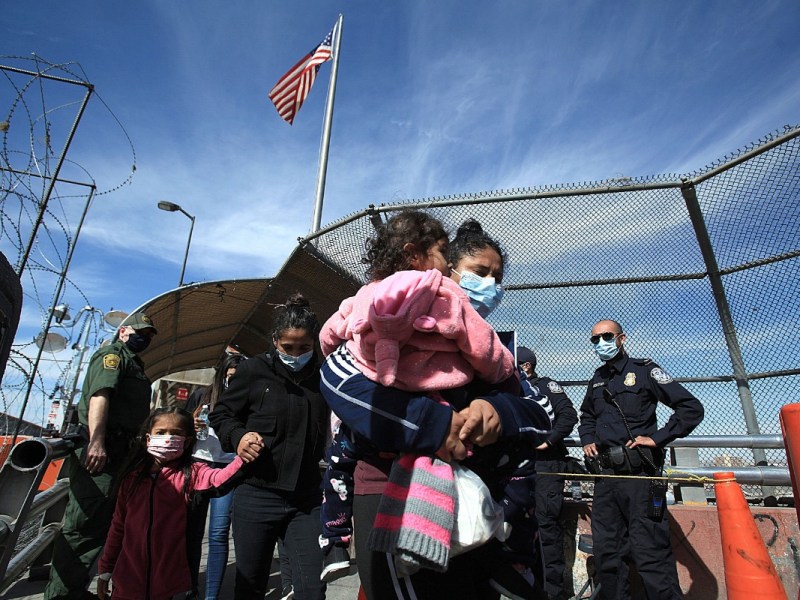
[343, 589]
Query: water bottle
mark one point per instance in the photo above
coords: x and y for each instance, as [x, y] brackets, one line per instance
[202, 434]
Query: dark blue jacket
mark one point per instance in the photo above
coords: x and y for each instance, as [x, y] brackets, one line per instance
[636, 385]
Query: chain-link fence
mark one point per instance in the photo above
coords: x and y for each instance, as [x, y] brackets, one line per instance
[702, 271]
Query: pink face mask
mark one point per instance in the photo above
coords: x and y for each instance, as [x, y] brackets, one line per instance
[165, 447]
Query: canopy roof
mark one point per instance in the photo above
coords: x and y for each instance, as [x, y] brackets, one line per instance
[197, 322]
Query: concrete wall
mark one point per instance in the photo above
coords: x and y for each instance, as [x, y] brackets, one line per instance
[698, 548]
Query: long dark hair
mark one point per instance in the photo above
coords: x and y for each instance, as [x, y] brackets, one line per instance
[471, 239]
[140, 461]
[385, 249]
[214, 391]
[296, 313]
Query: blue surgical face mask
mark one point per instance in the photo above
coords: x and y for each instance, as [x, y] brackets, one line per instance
[484, 294]
[606, 350]
[295, 363]
[137, 342]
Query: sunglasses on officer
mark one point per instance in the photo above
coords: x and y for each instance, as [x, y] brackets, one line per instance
[606, 336]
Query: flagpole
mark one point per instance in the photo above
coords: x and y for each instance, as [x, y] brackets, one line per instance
[326, 129]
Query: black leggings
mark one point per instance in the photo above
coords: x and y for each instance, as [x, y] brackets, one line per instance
[466, 577]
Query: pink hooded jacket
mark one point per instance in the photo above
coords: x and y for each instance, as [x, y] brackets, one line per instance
[147, 539]
[416, 331]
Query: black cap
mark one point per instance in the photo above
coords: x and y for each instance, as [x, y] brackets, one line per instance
[526, 355]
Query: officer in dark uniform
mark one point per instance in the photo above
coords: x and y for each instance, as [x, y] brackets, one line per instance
[114, 403]
[551, 457]
[618, 429]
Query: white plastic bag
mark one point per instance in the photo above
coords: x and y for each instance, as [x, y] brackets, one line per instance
[478, 517]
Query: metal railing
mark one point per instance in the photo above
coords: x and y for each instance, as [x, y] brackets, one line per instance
[20, 501]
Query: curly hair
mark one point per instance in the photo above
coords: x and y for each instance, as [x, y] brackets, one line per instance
[471, 239]
[385, 249]
[296, 313]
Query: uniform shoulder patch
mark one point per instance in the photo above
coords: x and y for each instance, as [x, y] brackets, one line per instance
[554, 387]
[111, 362]
[660, 376]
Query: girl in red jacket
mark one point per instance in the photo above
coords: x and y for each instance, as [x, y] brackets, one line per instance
[145, 552]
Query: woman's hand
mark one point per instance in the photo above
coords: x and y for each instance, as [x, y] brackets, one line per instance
[453, 448]
[199, 424]
[482, 426]
[250, 446]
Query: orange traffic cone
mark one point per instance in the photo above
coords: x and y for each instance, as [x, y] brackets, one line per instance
[361, 594]
[749, 572]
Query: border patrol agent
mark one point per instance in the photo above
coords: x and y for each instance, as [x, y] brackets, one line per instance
[618, 429]
[551, 457]
[114, 403]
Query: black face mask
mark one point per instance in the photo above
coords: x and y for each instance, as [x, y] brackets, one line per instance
[137, 342]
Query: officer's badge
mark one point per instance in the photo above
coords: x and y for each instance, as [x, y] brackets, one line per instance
[555, 388]
[111, 362]
[630, 379]
[661, 376]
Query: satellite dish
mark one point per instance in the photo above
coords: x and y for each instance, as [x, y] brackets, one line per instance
[115, 318]
[52, 342]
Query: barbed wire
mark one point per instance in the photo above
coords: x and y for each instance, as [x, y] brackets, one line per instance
[44, 99]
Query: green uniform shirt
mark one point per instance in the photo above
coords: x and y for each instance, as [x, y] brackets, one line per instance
[117, 368]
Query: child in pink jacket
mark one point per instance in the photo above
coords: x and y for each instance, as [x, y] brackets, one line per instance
[415, 330]
[145, 552]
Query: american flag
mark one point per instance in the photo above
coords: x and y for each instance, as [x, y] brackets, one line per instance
[292, 89]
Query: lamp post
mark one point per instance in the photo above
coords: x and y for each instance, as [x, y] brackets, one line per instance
[172, 207]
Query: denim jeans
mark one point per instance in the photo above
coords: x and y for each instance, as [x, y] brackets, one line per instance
[219, 524]
[260, 518]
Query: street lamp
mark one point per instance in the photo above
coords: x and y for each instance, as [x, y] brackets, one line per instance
[172, 207]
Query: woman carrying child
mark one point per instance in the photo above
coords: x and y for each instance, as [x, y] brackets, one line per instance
[145, 552]
[407, 261]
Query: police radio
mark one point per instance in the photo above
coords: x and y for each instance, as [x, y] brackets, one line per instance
[657, 499]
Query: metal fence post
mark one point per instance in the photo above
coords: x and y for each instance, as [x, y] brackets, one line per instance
[689, 194]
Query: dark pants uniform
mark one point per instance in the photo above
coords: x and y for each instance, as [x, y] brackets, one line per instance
[620, 505]
[87, 519]
[549, 501]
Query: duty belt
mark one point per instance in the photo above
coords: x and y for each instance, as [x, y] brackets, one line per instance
[628, 461]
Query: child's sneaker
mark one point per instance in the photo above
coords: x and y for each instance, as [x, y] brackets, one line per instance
[515, 581]
[335, 564]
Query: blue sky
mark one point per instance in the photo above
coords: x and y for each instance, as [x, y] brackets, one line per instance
[433, 98]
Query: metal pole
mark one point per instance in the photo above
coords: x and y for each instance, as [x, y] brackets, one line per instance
[188, 243]
[326, 129]
[46, 199]
[59, 287]
[728, 328]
